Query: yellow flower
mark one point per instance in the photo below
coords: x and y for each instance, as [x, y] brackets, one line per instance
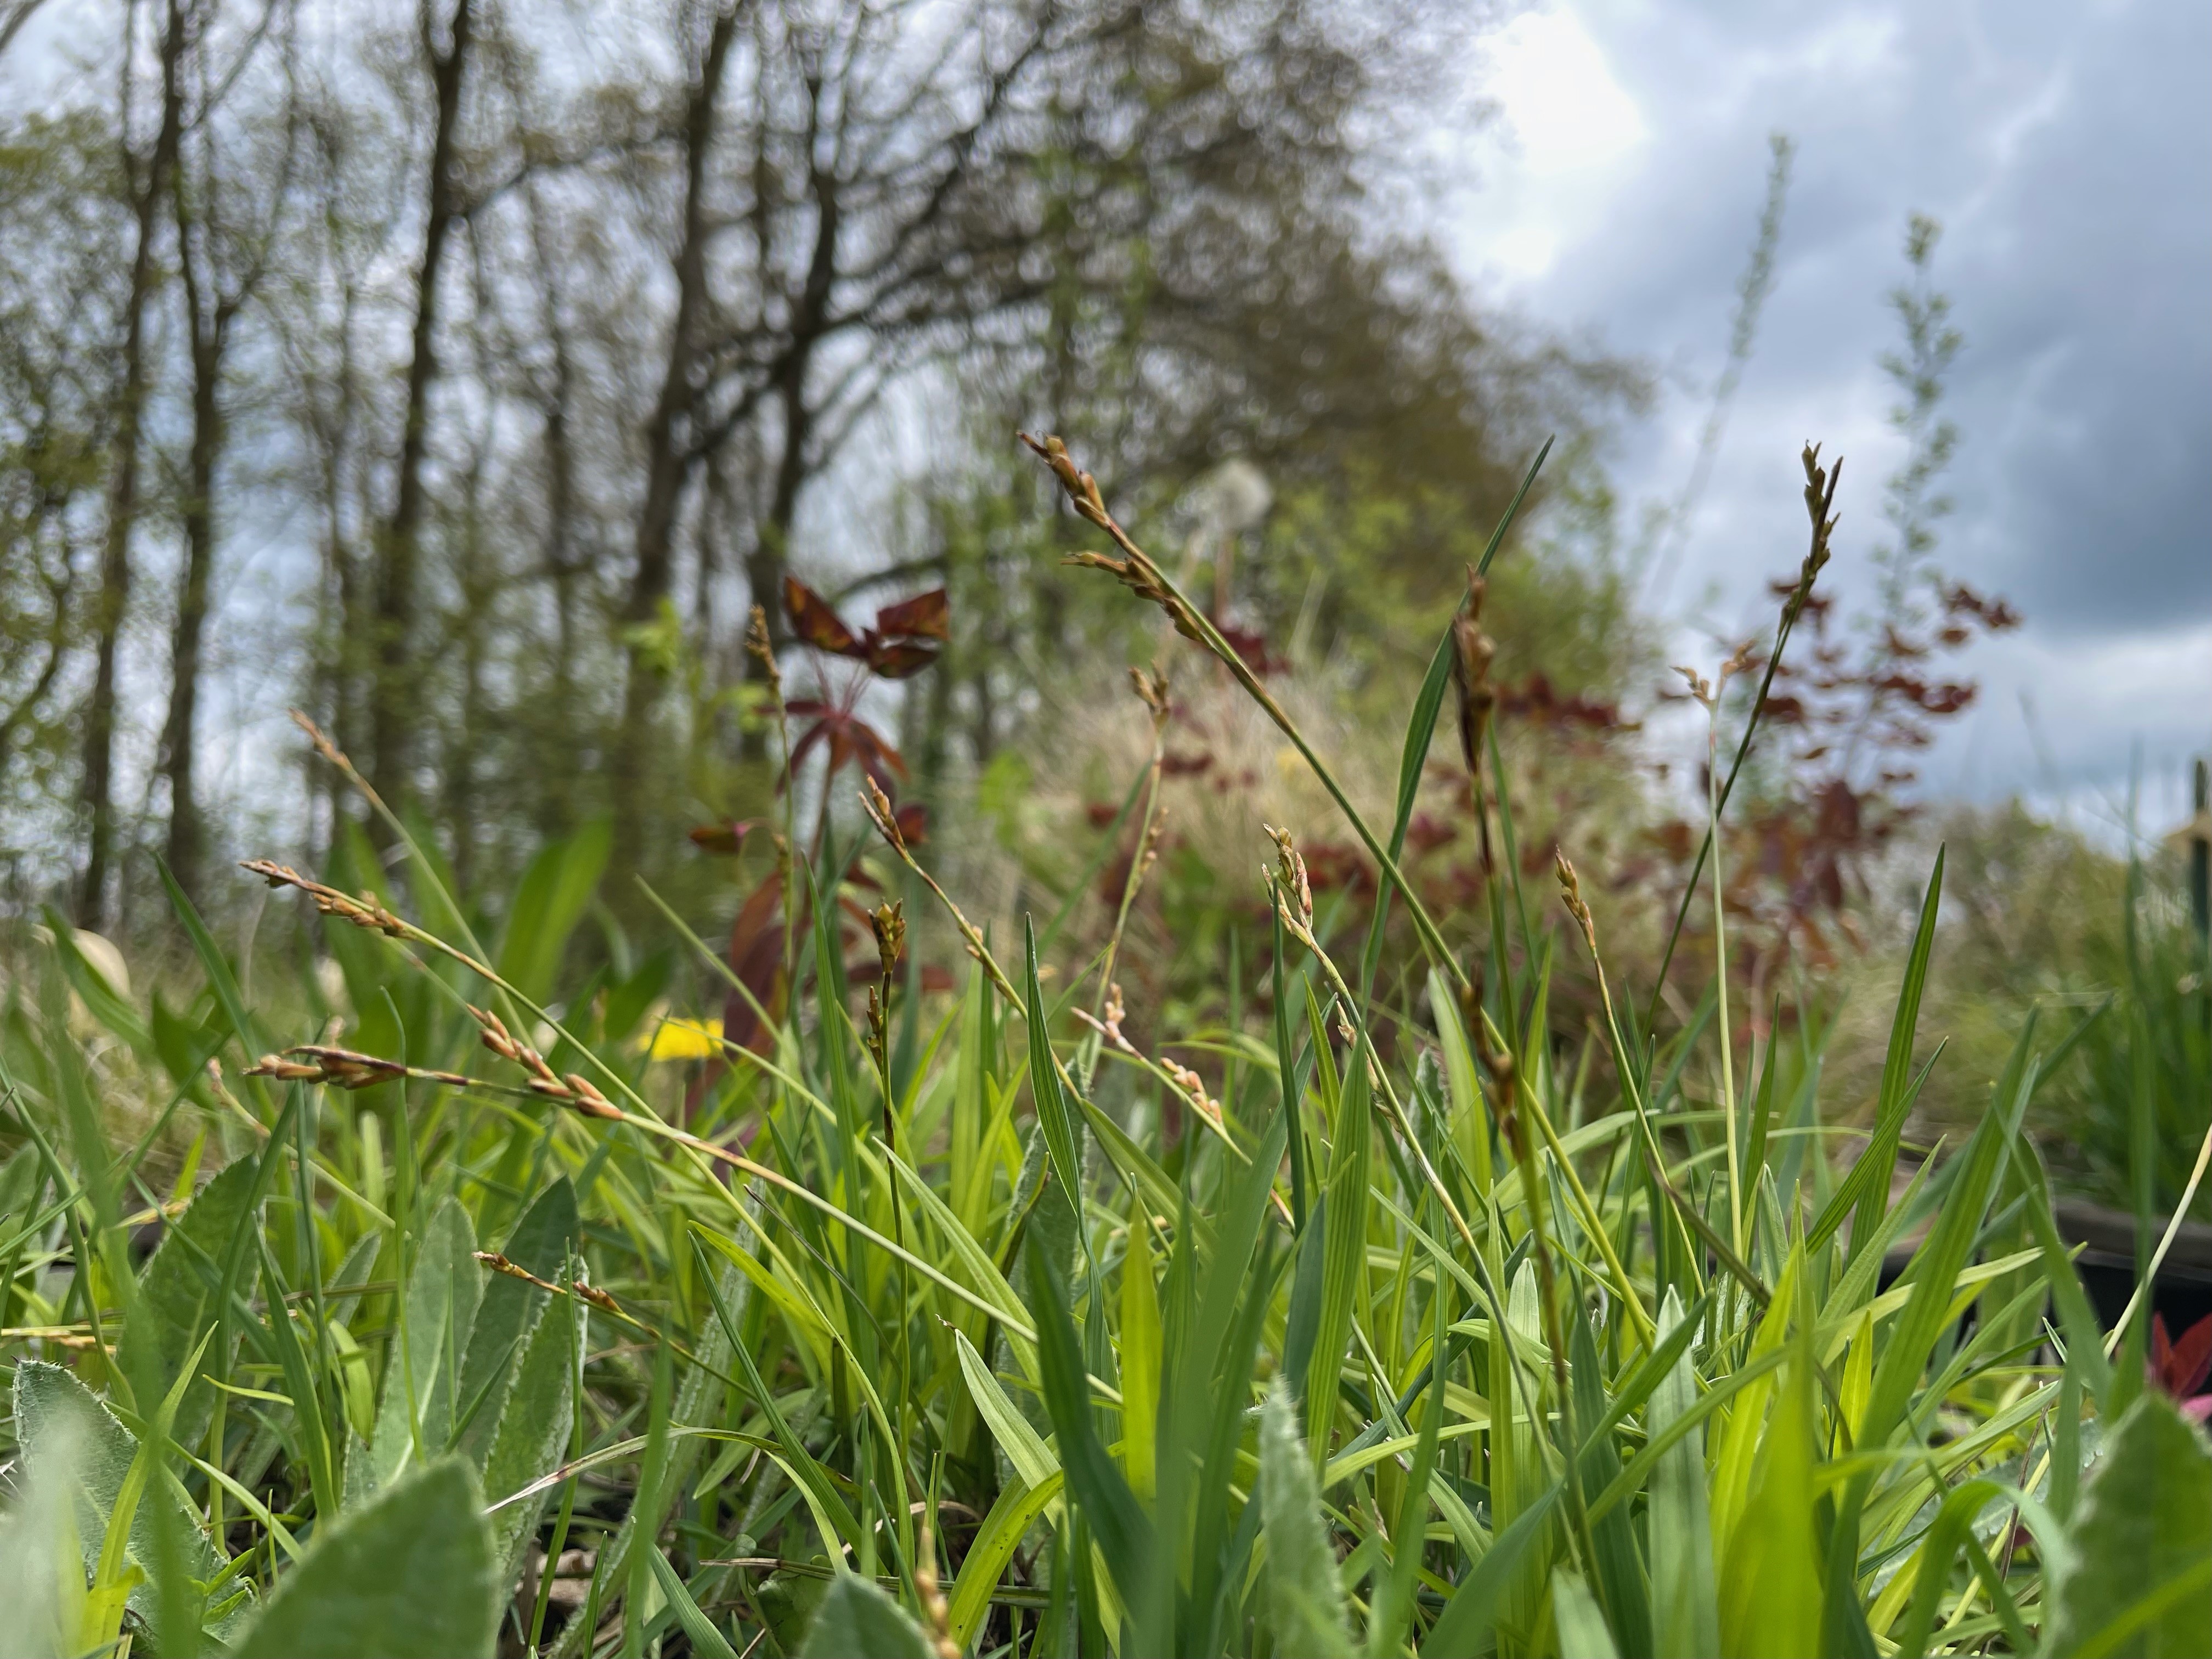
[684, 1039]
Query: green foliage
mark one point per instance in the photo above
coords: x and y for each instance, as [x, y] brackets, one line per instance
[1305, 1604]
[409, 1575]
[1380, 1330]
[2141, 1578]
[857, 1619]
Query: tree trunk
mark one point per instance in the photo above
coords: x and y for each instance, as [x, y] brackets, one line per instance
[207, 317]
[672, 455]
[114, 598]
[563, 556]
[395, 702]
[186, 847]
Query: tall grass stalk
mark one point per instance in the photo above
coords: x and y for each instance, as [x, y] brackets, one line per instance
[472, 1325]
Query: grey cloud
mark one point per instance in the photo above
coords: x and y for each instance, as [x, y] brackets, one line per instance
[2064, 145]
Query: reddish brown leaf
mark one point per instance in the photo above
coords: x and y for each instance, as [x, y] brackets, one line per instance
[898, 660]
[815, 622]
[926, 615]
[2180, 1368]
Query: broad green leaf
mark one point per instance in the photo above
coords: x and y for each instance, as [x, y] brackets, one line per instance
[1032, 1459]
[1463, 1629]
[555, 891]
[1305, 1601]
[42, 1558]
[1095, 1484]
[533, 1431]
[416, 1411]
[996, 1539]
[1614, 1555]
[1770, 1575]
[53, 1410]
[409, 1575]
[117, 1573]
[1582, 1633]
[1343, 1255]
[2140, 1584]
[856, 1620]
[542, 1242]
[1141, 1355]
[861, 1622]
[179, 1289]
[1685, 1616]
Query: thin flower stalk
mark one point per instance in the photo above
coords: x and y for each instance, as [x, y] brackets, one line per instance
[1135, 570]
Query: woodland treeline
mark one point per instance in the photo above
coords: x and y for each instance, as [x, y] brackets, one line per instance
[465, 374]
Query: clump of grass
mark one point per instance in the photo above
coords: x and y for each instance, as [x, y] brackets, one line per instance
[1357, 1328]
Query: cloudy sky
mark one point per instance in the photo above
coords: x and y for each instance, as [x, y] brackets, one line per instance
[2066, 145]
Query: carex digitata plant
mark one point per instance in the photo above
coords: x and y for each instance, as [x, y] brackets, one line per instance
[982, 1325]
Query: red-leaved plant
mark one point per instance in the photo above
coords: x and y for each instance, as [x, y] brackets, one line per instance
[2178, 1369]
[905, 638]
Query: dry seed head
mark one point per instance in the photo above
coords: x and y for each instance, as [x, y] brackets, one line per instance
[363, 912]
[1472, 651]
[499, 1264]
[763, 651]
[1152, 692]
[1134, 570]
[878, 806]
[341, 1068]
[494, 1034]
[587, 1099]
[932, 1597]
[500, 1041]
[889, 923]
[1570, 890]
[1743, 658]
[1700, 687]
[1081, 488]
[1819, 503]
[1291, 876]
[1151, 850]
[329, 750]
[284, 1071]
[1194, 1086]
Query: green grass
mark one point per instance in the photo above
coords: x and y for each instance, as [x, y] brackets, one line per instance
[986, 1336]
